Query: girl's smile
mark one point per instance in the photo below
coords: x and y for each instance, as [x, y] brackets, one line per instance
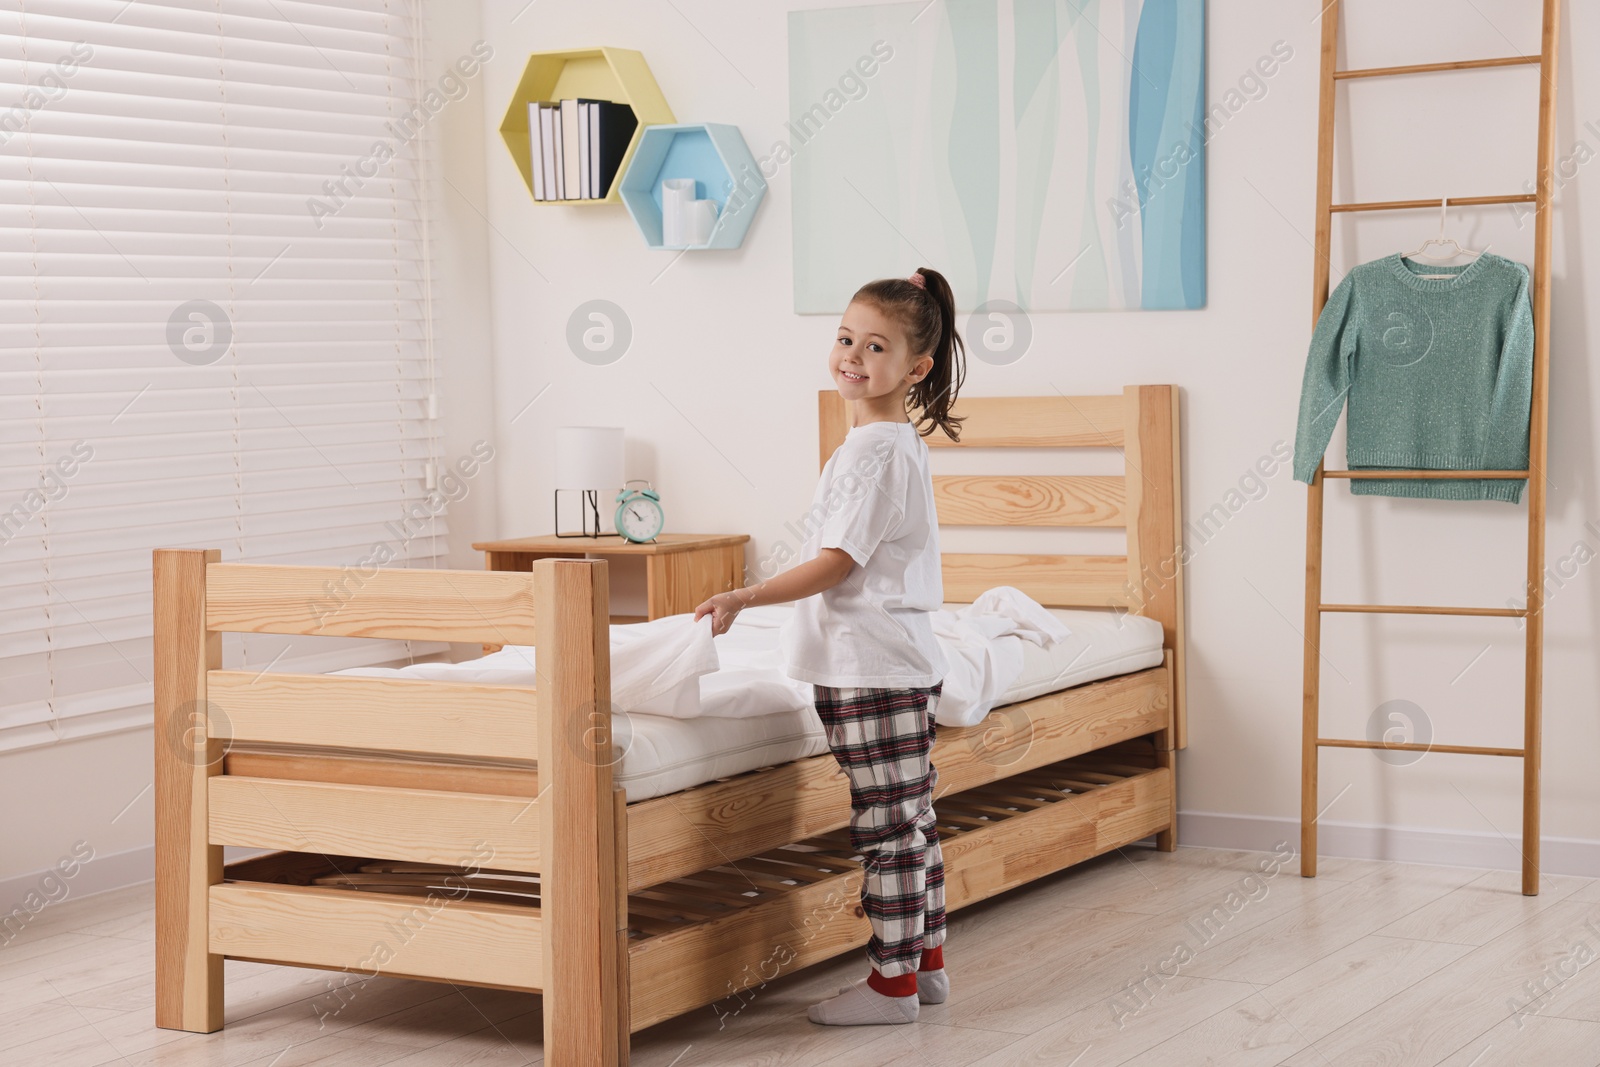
[873, 364]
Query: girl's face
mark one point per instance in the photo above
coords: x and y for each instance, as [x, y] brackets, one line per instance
[871, 356]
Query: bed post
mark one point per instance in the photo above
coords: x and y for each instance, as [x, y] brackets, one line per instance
[188, 975]
[583, 971]
[1155, 547]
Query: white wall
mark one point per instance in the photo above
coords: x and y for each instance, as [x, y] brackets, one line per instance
[717, 392]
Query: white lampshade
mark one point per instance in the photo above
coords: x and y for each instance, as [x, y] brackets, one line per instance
[589, 457]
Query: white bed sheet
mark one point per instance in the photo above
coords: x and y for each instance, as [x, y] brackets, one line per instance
[776, 722]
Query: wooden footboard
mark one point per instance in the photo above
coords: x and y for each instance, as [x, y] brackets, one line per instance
[572, 948]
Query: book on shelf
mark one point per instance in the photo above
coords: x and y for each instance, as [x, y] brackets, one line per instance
[577, 146]
[585, 183]
[547, 158]
[535, 149]
[569, 150]
[615, 124]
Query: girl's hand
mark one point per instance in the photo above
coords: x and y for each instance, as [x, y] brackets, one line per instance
[723, 609]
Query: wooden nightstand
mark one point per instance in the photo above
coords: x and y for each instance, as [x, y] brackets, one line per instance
[681, 570]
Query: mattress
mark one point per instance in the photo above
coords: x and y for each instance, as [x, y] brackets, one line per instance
[757, 717]
[662, 755]
[768, 719]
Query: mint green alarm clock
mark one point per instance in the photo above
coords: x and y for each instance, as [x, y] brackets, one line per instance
[639, 515]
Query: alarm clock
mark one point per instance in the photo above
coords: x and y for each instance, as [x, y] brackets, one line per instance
[639, 515]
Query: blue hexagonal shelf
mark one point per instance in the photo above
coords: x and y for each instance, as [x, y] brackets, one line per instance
[716, 157]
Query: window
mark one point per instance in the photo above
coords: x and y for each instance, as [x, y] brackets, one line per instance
[214, 326]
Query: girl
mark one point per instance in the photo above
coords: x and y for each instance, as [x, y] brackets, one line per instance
[861, 632]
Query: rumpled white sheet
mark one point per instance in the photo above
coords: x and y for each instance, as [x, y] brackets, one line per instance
[982, 645]
[673, 666]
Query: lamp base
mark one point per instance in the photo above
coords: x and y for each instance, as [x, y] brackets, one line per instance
[590, 508]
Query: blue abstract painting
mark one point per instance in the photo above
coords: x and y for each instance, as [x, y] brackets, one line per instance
[1046, 152]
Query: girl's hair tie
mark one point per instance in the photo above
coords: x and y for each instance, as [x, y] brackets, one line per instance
[918, 280]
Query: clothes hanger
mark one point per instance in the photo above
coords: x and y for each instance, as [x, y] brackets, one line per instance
[1420, 252]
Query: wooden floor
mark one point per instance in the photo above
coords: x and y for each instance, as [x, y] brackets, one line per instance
[1138, 957]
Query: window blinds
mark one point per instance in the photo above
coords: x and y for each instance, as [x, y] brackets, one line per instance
[214, 326]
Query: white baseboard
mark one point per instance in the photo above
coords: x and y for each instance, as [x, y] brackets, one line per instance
[22, 894]
[1449, 848]
[117, 870]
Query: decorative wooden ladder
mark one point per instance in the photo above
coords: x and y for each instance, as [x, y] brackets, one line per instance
[1533, 613]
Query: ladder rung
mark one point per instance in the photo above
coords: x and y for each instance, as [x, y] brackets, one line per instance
[1464, 201]
[1411, 609]
[1467, 750]
[1424, 474]
[1423, 68]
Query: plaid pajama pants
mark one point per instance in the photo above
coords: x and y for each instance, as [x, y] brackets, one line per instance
[883, 739]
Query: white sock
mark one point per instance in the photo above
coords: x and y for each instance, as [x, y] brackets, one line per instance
[933, 986]
[861, 1005]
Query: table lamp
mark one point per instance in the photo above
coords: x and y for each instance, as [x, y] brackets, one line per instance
[588, 459]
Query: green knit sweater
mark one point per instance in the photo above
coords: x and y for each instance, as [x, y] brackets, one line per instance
[1438, 374]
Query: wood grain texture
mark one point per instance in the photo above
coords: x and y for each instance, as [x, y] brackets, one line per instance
[1054, 581]
[1029, 500]
[1155, 526]
[1455, 201]
[1539, 449]
[376, 822]
[1000, 422]
[1035, 422]
[619, 820]
[710, 824]
[542, 546]
[426, 937]
[408, 715]
[188, 976]
[383, 770]
[679, 582]
[685, 969]
[476, 607]
[1320, 270]
[577, 828]
[1428, 68]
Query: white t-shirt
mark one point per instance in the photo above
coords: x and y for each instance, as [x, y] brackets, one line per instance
[875, 628]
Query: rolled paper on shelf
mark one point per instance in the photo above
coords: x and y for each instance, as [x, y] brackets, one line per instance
[676, 194]
[702, 220]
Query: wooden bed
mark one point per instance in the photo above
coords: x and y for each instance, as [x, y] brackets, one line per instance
[471, 833]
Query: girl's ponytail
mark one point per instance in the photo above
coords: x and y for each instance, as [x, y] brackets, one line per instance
[928, 312]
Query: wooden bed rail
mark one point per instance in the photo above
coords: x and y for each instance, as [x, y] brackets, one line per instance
[476, 607]
[571, 833]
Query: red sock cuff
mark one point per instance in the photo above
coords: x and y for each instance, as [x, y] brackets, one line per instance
[932, 959]
[901, 985]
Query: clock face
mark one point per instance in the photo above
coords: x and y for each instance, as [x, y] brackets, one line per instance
[640, 519]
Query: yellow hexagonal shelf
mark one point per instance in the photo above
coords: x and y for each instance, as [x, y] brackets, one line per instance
[618, 74]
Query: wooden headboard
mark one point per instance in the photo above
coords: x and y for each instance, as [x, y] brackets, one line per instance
[1142, 423]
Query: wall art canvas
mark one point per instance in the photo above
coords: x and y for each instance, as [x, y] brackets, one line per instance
[1049, 153]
